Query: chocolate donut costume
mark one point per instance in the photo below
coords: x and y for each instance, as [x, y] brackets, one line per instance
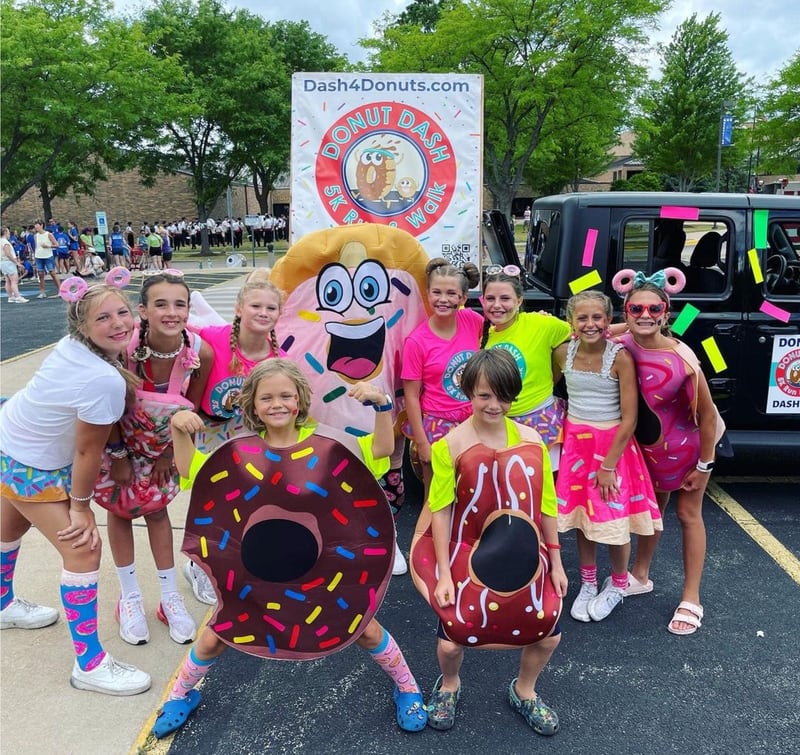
[297, 541]
[499, 563]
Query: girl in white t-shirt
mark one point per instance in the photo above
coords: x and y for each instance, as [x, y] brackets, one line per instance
[10, 267]
[54, 431]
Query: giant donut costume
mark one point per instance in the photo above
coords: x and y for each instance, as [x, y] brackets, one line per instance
[500, 602]
[297, 541]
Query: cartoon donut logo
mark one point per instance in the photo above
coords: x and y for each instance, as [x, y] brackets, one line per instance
[787, 373]
[357, 167]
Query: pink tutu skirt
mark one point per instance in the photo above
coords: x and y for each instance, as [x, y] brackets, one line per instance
[634, 510]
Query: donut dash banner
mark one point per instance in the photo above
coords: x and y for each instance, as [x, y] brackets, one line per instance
[398, 149]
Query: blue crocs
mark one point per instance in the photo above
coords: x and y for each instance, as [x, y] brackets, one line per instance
[175, 713]
[411, 713]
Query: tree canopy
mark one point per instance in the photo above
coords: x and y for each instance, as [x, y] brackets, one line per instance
[678, 129]
[778, 131]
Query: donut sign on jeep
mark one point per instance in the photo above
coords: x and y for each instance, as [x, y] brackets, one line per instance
[398, 149]
[739, 311]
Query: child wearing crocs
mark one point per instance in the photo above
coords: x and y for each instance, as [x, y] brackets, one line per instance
[275, 401]
[481, 555]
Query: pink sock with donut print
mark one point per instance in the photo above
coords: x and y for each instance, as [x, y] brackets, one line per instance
[190, 675]
[79, 598]
[391, 659]
[8, 562]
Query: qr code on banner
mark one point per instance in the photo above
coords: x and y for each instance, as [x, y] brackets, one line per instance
[457, 254]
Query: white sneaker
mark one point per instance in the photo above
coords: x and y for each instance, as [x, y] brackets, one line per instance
[42, 296]
[111, 678]
[21, 614]
[606, 601]
[579, 610]
[201, 585]
[400, 564]
[132, 620]
[173, 613]
[18, 299]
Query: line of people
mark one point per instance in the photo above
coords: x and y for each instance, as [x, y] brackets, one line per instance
[114, 444]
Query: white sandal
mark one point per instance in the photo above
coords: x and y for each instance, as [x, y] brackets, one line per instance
[694, 618]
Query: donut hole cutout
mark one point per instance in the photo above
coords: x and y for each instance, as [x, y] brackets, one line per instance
[490, 562]
[279, 550]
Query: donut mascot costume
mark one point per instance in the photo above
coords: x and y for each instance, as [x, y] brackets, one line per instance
[499, 602]
[353, 294]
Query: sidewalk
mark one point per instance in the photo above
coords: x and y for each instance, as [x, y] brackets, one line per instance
[39, 711]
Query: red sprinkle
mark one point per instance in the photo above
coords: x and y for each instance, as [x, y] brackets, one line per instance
[339, 516]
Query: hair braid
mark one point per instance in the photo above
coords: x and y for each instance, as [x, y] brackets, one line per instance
[485, 333]
[234, 364]
[273, 337]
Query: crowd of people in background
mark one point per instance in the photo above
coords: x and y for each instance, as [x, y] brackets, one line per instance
[69, 249]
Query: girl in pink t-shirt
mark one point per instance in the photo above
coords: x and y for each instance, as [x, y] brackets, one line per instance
[434, 356]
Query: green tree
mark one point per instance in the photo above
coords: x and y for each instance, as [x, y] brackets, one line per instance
[537, 57]
[74, 80]
[778, 132]
[678, 129]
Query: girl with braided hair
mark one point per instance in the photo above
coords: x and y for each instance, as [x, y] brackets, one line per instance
[237, 349]
[138, 477]
[54, 431]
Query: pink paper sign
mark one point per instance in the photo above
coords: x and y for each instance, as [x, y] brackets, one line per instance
[588, 247]
[770, 309]
[680, 213]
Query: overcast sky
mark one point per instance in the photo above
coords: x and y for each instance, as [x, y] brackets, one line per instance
[762, 34]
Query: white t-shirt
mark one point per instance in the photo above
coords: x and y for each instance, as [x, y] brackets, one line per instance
[44, 246]
[37, 425]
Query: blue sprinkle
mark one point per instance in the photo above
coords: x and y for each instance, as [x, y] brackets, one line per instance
[245, 590]
[287, 344]
[252, 492]
[615, 505]
[271, 644]
[312, 462]
[342, 603]
[204, 520]
[394, 318]
[344, 552]
[224, 541]
[315, 365]
[577, 465]
[294, 595]
[373, 532]
[355, 431]
[637, 497]
[271, 455]
[317, 489]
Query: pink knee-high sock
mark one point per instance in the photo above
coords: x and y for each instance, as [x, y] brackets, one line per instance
[190, 675]
[391, 659]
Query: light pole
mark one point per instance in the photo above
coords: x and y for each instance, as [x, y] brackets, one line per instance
[725, 129]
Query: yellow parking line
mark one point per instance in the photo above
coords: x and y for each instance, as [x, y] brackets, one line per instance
[776, 550]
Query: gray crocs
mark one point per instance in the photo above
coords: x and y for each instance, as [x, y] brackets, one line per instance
[442, 707]
[540, 717]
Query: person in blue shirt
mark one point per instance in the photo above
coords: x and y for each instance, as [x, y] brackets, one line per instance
[62, 250]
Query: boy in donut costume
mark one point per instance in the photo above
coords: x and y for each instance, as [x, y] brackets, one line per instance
[353, 294]
[290, 525]
[485, 553]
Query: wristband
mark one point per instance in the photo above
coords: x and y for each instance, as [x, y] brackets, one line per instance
[119, 453]
[81, 498]
[387, 407]
[552, 546]
[705, 466]
[607, 469]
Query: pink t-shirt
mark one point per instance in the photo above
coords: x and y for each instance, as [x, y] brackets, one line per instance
[437, 363]
[222, 387]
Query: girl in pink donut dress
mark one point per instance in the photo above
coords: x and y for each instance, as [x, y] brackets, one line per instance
[604, 491]
[138, 477]
[485, 553]
[678, 428]
[275, 401]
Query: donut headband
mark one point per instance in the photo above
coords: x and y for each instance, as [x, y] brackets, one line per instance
[671, 280]
[74, 288]
[298, 542]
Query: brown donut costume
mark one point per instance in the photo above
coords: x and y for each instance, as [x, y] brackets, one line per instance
[499, 563]
[297, 541]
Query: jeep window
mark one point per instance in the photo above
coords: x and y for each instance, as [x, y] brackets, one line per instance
[698, 248]
[782, 269]
[542, 250]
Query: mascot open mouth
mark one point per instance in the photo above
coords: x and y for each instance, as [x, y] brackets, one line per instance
[356, 350]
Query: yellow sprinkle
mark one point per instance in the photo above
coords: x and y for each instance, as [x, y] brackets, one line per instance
[540, 615]
[310, 316]
[334, 581]
[203, 546]
[714, 354]
[236, 515]
[576, 487]
[273, 606]
[300, 454]
[347, 488]
[219, 476]
[584, 436]
[244, 638]
[755, 265]
[354, 624]
[253, 471]
[493, 606]
[313, 615]
[585, 281]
